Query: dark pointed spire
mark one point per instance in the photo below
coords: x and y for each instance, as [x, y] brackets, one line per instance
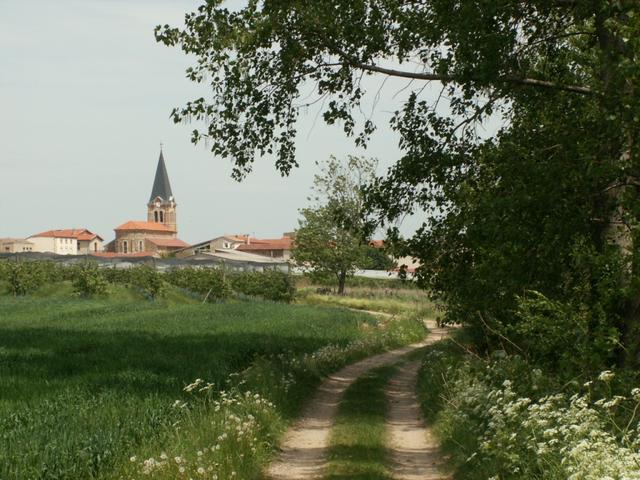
[161, 186]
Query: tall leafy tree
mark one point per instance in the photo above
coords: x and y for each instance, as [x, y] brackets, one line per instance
[549, 203]
[332, 236]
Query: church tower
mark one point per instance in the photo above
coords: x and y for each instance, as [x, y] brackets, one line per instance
[162, 206]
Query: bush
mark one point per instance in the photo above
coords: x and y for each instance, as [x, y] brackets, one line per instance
[209, 282]
[269, 284]
[25, 277]
[565, 337]
[147, 279]
[88, 280]
[118, 275]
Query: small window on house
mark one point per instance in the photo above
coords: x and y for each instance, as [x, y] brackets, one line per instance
[161, 217]
[125, 247]
[140, 245]
[95, 247]
[155, 216]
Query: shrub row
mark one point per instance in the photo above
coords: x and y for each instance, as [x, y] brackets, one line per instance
[211, 283]
[23, 278]
[270, 284]
[89, 279]
[216, 283]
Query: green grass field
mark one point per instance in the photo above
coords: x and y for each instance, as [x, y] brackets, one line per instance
[87, 386]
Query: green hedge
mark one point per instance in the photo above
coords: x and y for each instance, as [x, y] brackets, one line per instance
[89, 279]
[24, 277]
[205, 281]
[270, 284]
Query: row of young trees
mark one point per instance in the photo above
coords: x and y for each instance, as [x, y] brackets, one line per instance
[88, 280]
[548, 204]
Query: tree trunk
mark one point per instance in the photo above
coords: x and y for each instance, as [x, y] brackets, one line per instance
[342, 278]
[619, 230]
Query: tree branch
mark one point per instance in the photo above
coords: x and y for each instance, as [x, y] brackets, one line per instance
[452, 78]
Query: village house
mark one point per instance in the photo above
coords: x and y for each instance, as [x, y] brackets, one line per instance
[225, 242]
[70, 241]
[15, 245]
[158, 235]
[277, 249]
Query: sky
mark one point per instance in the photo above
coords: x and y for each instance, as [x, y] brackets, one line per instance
[85, 98]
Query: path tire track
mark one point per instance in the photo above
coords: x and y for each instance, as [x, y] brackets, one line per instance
[304, 448]
[415, 454]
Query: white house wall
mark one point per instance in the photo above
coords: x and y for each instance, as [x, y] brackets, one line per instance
[61, 246]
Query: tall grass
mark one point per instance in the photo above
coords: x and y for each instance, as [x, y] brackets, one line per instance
[85, 385]
[394, 302]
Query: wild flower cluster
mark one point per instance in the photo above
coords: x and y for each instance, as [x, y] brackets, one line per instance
[564, 437]
[236, 429]
[509, 426]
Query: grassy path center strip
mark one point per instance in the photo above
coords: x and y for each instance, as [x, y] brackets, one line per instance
[357, 442]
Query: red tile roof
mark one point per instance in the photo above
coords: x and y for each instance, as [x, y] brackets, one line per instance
[377, 243]
[168, 242]
[284, 243]
[144, 226]
[88, 236]
[77, 233]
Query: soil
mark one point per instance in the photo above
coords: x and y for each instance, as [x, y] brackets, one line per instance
[414, 452]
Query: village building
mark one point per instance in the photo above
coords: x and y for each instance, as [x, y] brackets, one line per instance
[158, 235]
[70, 241]
[223, 243]
[88, 242]
[277, 249]
[15, 245]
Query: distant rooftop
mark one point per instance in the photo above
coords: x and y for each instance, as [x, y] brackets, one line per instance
[78, 233]
[168, 242]
[14, 240]
[256, 244]
[144, 226]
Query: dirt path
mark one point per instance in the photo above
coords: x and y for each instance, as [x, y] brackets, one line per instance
[414, 451]
[305, 446]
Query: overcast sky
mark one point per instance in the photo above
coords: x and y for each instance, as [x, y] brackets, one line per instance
[85, 97]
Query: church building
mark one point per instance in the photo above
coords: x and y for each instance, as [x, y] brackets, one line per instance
[159, 234]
